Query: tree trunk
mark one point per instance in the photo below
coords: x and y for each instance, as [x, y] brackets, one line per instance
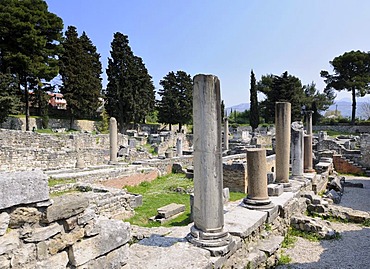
[26, 94]
[180, 127]
[353, 106]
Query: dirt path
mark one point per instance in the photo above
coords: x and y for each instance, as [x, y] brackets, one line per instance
[352, 250]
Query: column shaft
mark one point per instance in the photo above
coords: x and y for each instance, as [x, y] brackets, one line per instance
[113, 147]
[297, 152]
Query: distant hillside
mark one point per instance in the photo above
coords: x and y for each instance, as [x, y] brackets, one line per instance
[240, 108]
[344, 106]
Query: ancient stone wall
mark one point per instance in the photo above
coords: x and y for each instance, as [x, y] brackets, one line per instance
[28, 150]
[69, 231]
[365, 150]
[235, 175]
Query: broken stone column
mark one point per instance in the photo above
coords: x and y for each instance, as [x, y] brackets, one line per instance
[297, 134]
[208, 229]
[309, 122]
[282, 140]
[179, 147]
[257, 197]
[226, 134]
[308, 168]
[113, 148]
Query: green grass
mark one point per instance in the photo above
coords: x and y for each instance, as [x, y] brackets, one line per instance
[235, 196]
[45, 131]
[289, 240]
[53, 182]
[284, 259]
[160, 192]
[366, 223]
[61, 193]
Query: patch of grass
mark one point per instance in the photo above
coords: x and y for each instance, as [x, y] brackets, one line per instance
[289, 240]
[45, 131]
[306, 235]
[366, 223]
[284, 259]
[158, 193]
[60, 181]
[235, 196]
[61, 193]
[268, 227]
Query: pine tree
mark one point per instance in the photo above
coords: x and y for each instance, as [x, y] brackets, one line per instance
[9, 100]
[176, 105]
[29, 43]
[254, 114]
[130, 92]
[80, 71]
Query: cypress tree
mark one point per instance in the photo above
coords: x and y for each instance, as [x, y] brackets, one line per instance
[254, 114]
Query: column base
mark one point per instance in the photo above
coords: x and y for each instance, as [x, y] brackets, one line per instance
[113, 162]
[257, 204]
[218, 243]
[310, 170]
[298, 178]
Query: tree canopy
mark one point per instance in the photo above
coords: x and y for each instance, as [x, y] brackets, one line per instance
[284, 88]
[80, 69]
[130, 93]
[351, 73]
[9, 100]
[29, 43]
[176, 105]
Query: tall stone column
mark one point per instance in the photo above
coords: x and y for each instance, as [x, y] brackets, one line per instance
[296, 154]
[208, 230]
[113, 148]
[282, 141]
[257, 197]
[308, 168]
[179, 147]
[309, 122]
[226, 134]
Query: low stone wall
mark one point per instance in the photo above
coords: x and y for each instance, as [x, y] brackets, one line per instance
[66, 232]
[343, 128]
[28, 150]
[235, 175]
[365, 150]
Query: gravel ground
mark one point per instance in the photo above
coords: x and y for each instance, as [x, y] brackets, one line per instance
[352, 250]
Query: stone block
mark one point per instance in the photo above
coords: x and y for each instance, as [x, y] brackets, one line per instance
[41, 251]
[66, 206]
[22, 215]
[58, 261]
[23, 188]
[23, 256]
[136, 200]
[60, 242]
[4, 222]
[270, 178]
[88, 215]
[113, 260]
[271, 245]
[9, 242]
[170, 210]
[4, 262]
[43, 233]
[112, 234]
[275, 189]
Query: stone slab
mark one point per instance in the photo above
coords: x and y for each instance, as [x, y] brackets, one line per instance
[242, 222]
[4, 222]
[66, 206]
[166, 253]
[283, 199]
[23, 188]
[112, 234]
[270, 245]
[58, 261]
[275, 189]
[170, 210]
[44, 233]
[9, 242]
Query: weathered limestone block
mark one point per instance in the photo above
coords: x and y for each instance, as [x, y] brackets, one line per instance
[114, 260]
[66, 206]
[43, 233]
[23, 256]
[113, 234]
[170, 210]
[42, 251]
[4, 262]
[22, 215]
[61, 241]
[23, 188]
[58, 261]
[9, 242]
[4, 222]
[88, 215]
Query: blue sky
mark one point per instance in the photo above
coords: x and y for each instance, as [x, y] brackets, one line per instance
[226, 38]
